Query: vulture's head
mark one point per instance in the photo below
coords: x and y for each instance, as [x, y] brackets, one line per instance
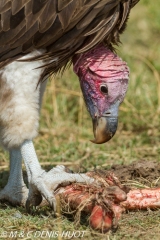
[104, 80]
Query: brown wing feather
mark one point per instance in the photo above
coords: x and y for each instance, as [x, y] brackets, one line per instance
[18, 5]
[62, 27]
[5, 20]
[126, 8]
[61, 4]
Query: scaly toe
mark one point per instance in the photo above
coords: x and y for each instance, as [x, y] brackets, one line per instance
[46, 183]
[16, 196]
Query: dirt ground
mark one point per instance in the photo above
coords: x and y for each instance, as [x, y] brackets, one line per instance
[142, 171]
[132, 225]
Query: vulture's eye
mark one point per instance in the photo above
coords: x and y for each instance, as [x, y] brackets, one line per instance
[104, 89]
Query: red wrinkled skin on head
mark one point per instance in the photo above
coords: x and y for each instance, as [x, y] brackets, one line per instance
[97, 66]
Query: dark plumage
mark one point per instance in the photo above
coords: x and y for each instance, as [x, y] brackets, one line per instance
[63, 27]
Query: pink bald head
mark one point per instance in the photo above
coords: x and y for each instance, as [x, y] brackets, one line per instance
[104, 80]
[103, 62]
[99, 66]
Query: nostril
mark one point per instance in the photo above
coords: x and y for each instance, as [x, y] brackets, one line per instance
[107, 113]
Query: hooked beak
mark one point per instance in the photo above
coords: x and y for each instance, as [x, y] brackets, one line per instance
[104, 127]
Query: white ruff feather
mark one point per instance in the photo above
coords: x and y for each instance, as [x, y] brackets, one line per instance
[19, 101]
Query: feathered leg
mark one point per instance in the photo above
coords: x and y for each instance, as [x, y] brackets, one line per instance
[20, 97]
[15, 192]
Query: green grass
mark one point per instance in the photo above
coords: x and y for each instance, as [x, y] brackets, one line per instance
[66, 129]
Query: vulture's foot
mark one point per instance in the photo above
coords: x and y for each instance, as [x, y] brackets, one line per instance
[15, 192]
[42, 183]
[16, 196]
[45, 184]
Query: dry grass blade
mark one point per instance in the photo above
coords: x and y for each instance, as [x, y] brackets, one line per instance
[155, 74]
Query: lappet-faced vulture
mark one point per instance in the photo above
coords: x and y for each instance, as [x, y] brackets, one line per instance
[38, 38]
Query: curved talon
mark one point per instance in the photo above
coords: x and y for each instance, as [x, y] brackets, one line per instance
[37, 199]
[53, 203]
[28, 206]
[34, 201]
[42, 193]
[34, 198]
[47, 183]
[42, 183]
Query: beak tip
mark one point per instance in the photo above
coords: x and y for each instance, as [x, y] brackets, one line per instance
[104, 130]
[94, 141]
